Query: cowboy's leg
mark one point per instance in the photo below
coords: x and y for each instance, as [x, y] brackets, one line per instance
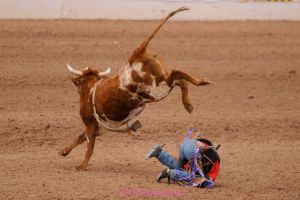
[180, 174]
[182, 158]
[168, 160]
[186, 152]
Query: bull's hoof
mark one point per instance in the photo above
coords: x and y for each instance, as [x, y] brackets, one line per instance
[189, 108]
[63, 152]
[204, 82]
[80, 168]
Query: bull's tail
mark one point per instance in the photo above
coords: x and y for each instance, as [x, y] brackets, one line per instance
[142, 48]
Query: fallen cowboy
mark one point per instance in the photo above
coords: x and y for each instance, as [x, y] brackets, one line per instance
[198, 163]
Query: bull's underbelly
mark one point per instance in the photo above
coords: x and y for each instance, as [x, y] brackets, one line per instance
[120, 112]
[117, 115]
[126, 121]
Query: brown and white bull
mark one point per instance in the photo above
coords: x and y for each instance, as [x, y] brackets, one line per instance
[114, 102]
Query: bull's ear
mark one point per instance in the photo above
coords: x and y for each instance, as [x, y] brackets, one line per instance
[76, 81]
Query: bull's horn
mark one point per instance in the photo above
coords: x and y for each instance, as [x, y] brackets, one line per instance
[107, 72]
[74, 71]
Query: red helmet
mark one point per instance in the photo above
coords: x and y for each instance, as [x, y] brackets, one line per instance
[210, 160]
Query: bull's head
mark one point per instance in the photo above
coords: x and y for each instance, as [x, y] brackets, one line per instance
[87, 77]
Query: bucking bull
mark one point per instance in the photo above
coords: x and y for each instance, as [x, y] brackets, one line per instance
[114, 102]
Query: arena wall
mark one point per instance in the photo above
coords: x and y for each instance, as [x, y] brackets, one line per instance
[151, 9]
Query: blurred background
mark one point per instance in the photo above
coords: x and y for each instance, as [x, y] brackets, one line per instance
[151, 9]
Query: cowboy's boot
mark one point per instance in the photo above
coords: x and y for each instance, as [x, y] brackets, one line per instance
[164, 174]
[154, 152]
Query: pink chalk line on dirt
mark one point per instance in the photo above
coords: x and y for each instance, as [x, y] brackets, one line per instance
[129, 192]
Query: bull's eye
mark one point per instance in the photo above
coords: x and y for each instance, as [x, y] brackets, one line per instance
[78, 81]
[82, 80]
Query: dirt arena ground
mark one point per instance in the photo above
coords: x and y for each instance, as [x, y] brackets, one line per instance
[252, 110]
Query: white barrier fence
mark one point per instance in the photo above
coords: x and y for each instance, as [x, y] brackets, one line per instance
[150, 9]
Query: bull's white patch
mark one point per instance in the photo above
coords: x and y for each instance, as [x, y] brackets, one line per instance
[125, 76]
[160, 91]
[157, 92]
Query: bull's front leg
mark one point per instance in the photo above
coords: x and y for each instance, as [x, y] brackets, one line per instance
[91, 132]
[78, 140]
[185, 95]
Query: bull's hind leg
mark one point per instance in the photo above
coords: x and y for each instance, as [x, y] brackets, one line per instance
[185, 95]
[78, 140]
[177, 74]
